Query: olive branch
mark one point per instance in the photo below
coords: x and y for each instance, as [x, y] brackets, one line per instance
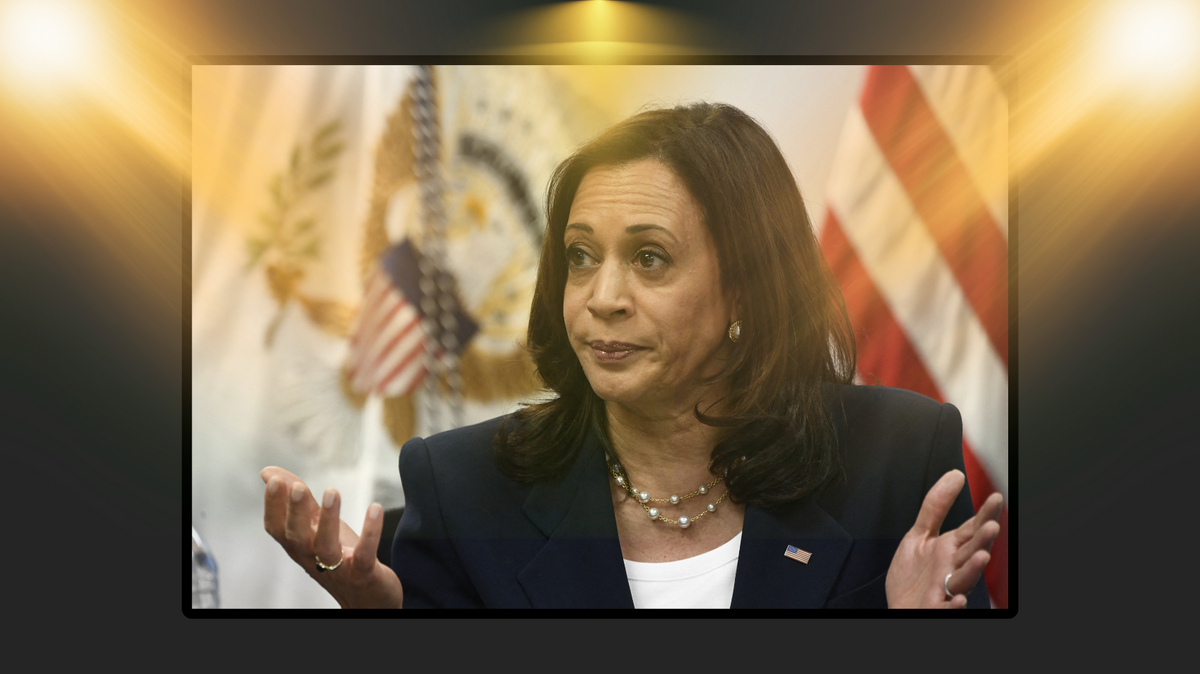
[309, 168]
[290, 237]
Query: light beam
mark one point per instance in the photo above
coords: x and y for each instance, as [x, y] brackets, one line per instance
[1152, 45]
[46, 44]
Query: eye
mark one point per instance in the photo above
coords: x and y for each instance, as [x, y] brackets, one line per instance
[576, 258]
[647, 259]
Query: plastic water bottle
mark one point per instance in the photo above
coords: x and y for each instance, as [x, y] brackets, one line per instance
[204, 575]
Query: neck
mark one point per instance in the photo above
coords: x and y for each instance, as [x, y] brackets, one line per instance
[663, 454]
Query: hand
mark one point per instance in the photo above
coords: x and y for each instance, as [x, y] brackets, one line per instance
[308, 530]
[919, 568]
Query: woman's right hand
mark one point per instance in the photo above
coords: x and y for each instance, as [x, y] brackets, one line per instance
[309, 531]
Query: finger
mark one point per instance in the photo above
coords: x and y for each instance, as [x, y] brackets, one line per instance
[298, 528]
[967, 576]
[365, 552]
[988, 512]
[326, 545]
[992, 506]
[982, 540]
[275, 471]
[275, 508]
[968, 529]
[938, 501]
[959, 601]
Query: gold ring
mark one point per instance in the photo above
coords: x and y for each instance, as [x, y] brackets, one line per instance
[322, 567]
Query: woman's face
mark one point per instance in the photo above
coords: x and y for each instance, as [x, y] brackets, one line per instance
[644, 306]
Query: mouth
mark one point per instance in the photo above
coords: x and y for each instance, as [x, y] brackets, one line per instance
[611, 352]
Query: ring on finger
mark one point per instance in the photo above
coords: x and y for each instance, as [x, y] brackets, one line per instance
[322, 567]
[945, 585]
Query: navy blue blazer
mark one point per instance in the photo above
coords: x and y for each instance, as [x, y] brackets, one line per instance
[471, 537]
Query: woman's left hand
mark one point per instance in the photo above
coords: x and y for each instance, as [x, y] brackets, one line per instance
[918, 571]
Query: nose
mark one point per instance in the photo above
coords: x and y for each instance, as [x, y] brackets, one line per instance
[610, 292]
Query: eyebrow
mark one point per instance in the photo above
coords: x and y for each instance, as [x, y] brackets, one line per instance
[632, 229]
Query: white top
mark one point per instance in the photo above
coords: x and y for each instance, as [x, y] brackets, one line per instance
[703, 581]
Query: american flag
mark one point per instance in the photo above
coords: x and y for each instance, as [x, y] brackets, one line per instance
[916, 231]
[797, 554]
[387, 342]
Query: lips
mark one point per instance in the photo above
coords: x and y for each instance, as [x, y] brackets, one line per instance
[611, 352]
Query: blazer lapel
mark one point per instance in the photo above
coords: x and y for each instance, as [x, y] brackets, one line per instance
[767, 579]
[576, 513]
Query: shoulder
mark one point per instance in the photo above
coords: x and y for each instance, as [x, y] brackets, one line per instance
[891, 444]
[879, 403]
[462, 452]
[882, 418]
[457, 470]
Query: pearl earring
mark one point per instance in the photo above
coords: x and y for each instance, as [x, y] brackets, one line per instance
[735, 331]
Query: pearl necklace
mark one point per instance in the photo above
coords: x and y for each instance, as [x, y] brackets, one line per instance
[644, 498]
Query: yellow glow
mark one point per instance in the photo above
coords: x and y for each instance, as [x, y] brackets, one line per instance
[94, 93]
[601, 50]
[600, 29]
[1152, 42]
[600, 21]
[1101, 112]
[66, 61]
[47, 42]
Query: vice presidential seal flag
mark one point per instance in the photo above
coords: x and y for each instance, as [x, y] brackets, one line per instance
[340, 212]
[916, 231]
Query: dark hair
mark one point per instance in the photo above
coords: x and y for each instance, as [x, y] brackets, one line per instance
[795, 330]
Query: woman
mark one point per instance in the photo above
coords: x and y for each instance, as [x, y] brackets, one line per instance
[705, 448]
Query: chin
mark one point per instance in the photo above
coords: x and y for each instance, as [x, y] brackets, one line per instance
[611, 389]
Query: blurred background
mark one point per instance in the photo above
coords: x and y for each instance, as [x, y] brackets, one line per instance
[104, 298]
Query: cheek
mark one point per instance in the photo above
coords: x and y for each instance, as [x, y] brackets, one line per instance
[701, 301]
[700, 320]
[572, 303]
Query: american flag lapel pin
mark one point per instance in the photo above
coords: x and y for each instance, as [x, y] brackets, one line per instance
[797, 554]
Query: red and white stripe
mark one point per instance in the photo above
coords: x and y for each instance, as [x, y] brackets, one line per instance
[916, 232]
[387, 344]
